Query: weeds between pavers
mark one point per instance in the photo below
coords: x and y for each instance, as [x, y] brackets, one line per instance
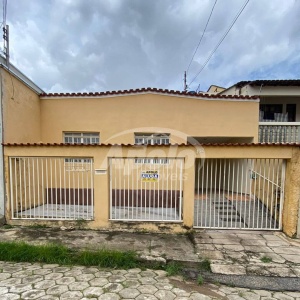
[59, 254]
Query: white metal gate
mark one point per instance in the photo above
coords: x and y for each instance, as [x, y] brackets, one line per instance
[56, 188]
[239, 193]
[146, 189]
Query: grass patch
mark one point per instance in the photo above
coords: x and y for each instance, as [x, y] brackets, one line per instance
[200, 280]
[204, 265]
[173, 268]
[59, 254]
[266, 259]
[7, 226]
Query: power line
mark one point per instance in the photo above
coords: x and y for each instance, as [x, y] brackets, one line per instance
[220, 42]
[201, 36]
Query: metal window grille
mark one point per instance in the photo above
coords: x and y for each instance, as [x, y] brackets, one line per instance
[146, 191]
[44, 188]
[239, 193]
[152, 139]
[81, 138]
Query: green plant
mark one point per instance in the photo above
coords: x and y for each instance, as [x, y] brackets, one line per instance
[80, 223]
[7, 226]
[200, 280]
[266, 259]
[37, 226]
[173, 268]
[204, 265]
[59, 254]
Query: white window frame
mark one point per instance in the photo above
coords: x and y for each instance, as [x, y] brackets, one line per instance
[152, 161]
[86, 138]
[78, 164]
[151, 138]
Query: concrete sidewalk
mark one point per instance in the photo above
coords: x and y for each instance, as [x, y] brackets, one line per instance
[234, 255]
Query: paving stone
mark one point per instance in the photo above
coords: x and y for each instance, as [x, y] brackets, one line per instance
[258, 249]
[262, 293]
[57, 290]
[228, 269]
[54, 276]
[50, 266]
[215, 254]
[10, 282]
[180, 292]
[113, 287]
[65, 280]
[147, 280]
[293, 294]
[3, 290]
[165, 295]
[116, 278]
[295, 258]
[11, 269]
[49, 297]
[197, 296]
[119, 272]
[22, 274]
[164, 286]
[235, 297]
[146, 297]
[10, 296]
[147, 274]
[78, 286]
[89, 271]
[132, 275]
[20, 288]
[61, 269]
[281, 296]
[44, 284]
[109, 296]
[93, 292]
[74, 295]
[33, 294]
[4, 276]
[98, 282]
[103, 274]
[227, 241]
[134, 270]
[41, 271]
[129, 293]
[281, 272]
[147, 289]
[249, 295]
[73, 273]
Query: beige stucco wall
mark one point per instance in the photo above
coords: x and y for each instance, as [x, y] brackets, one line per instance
[101, 154]
[118, 117]
[21, 110]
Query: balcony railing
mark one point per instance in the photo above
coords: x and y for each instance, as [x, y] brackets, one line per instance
[279, 132]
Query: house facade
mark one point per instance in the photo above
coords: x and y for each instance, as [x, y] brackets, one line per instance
[143, 159]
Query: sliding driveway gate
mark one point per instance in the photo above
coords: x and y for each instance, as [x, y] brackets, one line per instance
[239, 193]
[146, 189]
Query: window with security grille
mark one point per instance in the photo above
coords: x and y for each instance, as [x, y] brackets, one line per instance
[82, 138]
[152, 138]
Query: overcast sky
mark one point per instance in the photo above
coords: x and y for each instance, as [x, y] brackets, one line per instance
[99, 45]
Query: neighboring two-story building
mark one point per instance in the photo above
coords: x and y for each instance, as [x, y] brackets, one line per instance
[145, 158]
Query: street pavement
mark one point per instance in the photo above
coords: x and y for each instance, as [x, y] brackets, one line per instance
[54, 282]
[245, 265]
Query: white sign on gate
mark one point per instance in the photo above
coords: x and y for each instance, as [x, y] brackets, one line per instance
[150, 176]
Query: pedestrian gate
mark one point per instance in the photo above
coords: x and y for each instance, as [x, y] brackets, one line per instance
[239, 193]
[146, 189]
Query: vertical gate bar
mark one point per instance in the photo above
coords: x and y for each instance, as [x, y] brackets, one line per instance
[206, 194]
[110, 186]
[272, 194]
[133, 201]
[254, 192]
[163, 189]
[228, 190]
[92, 172]
[60, 184]
[202, 191]
[69, 189]
[11, 186]
[232, 188]
[250, 192]
[65, 186]
[119, 202]
[55, 182]
[237, 193]
[78, 191]
[74, 191]
[259, 195]
[38, 183]
[25, 183]
[47, 189]
[167, 194]
[215, 191]
[128, 188]
[29, 185]
[210, 192]
[138, 187]
[219, 198]
[268, 195]
[173, 159]
[33, 187]
[276, 193]
[283, 170]
[84, 204]
[180, 193]
[43, 188]
[159, 188]
[20, 186]
[124, 187]
[242, 194]
[51, 188]
[196, 218]
[224, 188]
[263, 186]
[246, 192]
[176, 187]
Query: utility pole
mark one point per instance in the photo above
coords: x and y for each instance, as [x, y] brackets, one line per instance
[185, 87]
[6, 43]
